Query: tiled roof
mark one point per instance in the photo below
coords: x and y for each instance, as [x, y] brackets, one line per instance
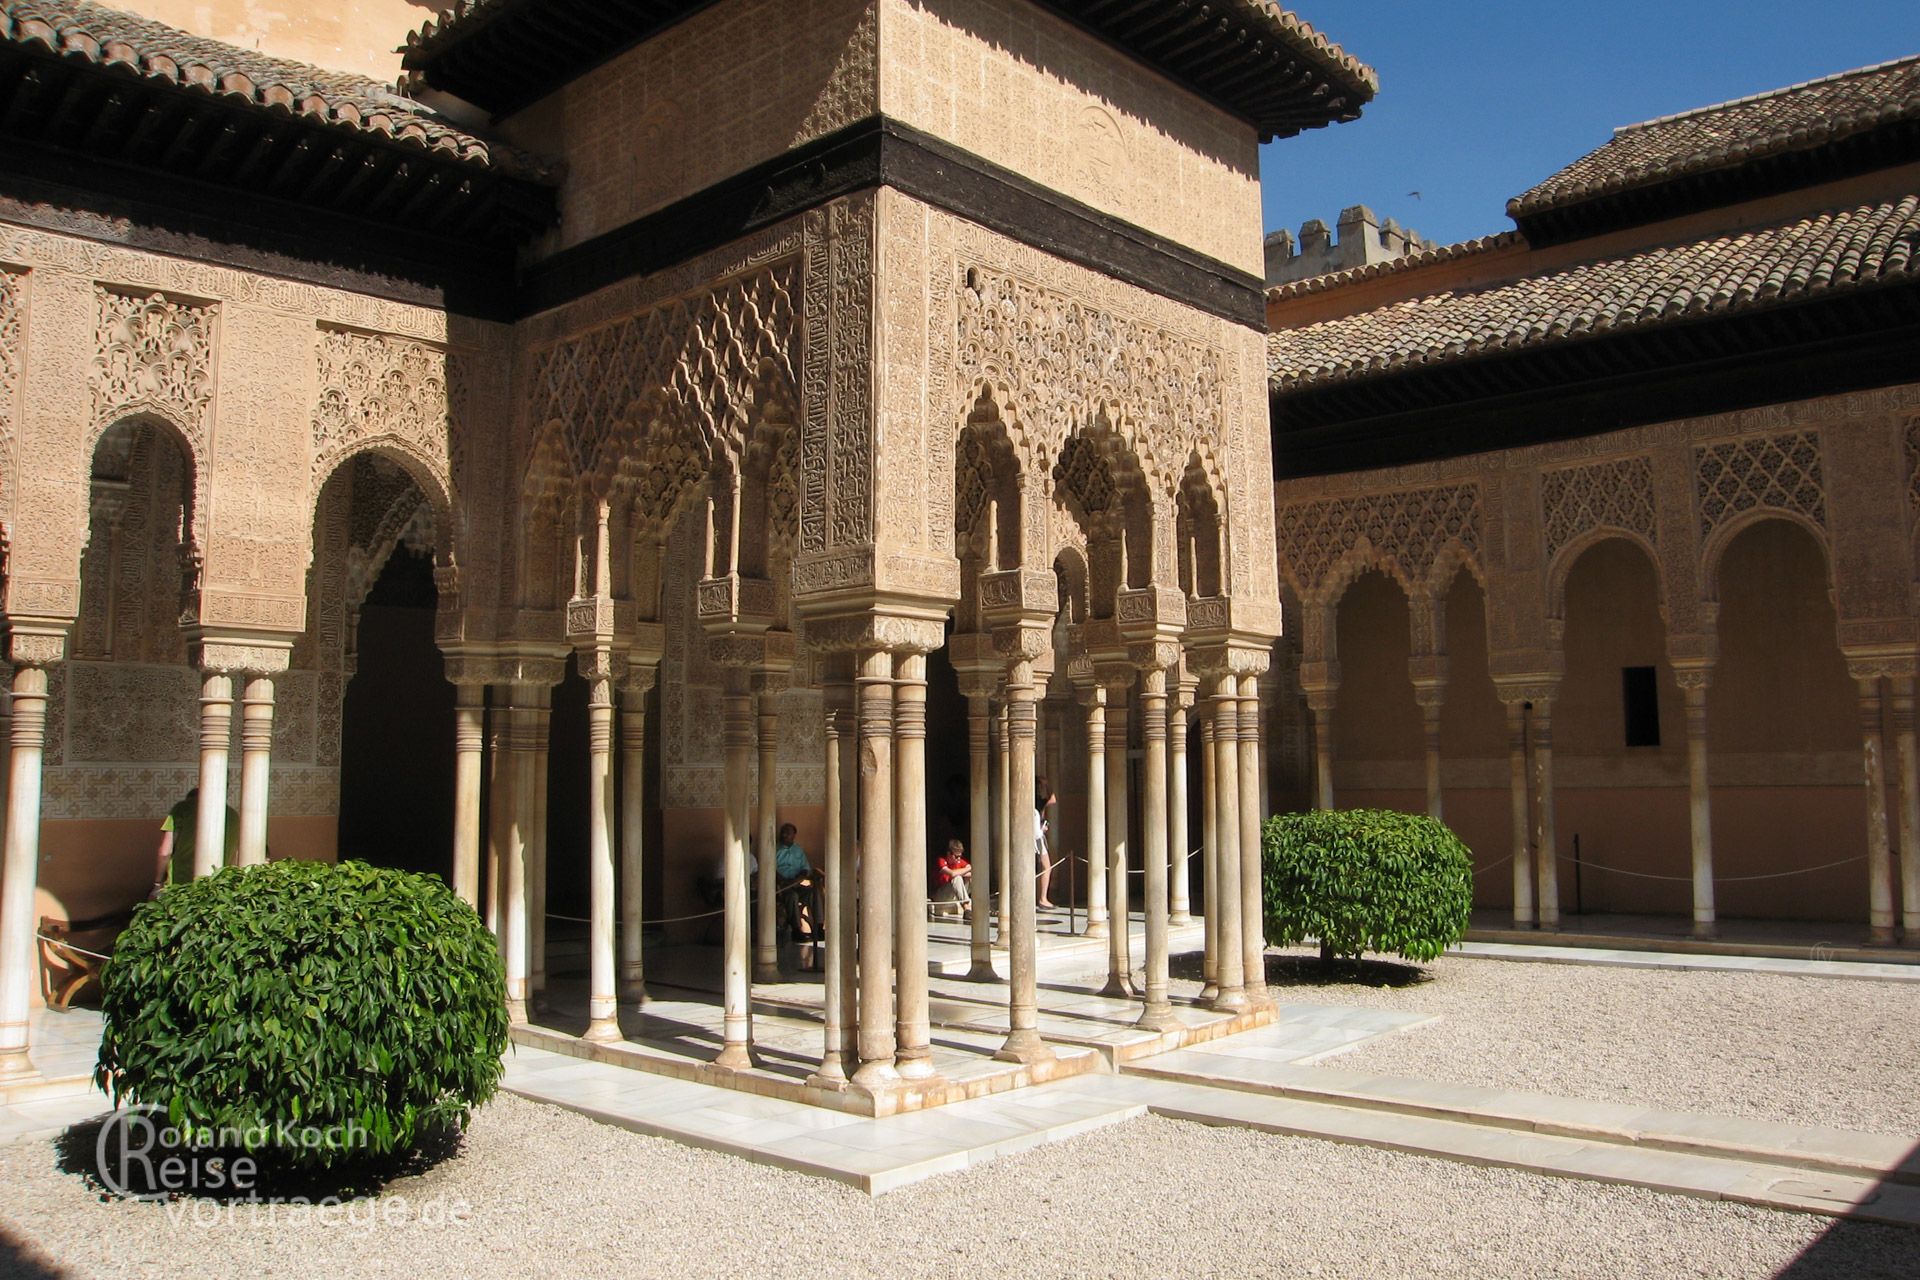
[1839, 251]
[1253, 56]
[1797, 118]
[77, 29]
[1393, 266]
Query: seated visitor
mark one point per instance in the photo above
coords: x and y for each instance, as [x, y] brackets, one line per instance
[800, 881]
[952, 874]
[173, 860]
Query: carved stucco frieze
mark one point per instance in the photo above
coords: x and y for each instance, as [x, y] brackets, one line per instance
[1615, 494]
[12, 332]
[1782, 472]
[154, 354]
[1405, 532]
[380, 389]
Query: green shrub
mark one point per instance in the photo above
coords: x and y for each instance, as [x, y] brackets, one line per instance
[364, 1006]
[1366, 880]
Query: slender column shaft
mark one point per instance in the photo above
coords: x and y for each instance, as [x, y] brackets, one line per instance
[518, 851]
[537, 843]
[875, 692]
[1157, 1014]
[256, 768]
[20, 872]
[1323, 755]
[499, 813]
[737, 734]
[1119, 912]
[847, 938]
[1097, 914]
[633, 837]
[979, 820]
[833, 856]
[1879, 856]
[1180, 891]
[6, 745]
[1023, 1042]
[1209, 855]
[1903, 734]
[1005, 827]
[1522, 842]
[1546, 851]
[1430, 707]
[1253, 941]
[1700, 820]
[468, 739]
[766, 943]
[1229, 957]
[913, 1057]
[603, 998]
[216, 731]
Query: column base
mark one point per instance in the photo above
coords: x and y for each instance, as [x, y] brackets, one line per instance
[1880, 935]
[1158, 1017]
[634, 993]
[1705, 930]
[764, 973]
[1118, 988]
[876, 1076]
[918, 1069]
[1230, 1000]
[831, 1075]
[16, 1067]
[1025, 1047]
[734, 1057]
[1180, 917]
[1523, 922]
[604, 1031]
[1210, 990]
[1549, 926]
[1096, 929]
[516, 1010]
[983, 971]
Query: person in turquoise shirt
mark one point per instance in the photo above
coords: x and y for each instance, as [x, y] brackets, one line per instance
[173, 862]
[798, 876]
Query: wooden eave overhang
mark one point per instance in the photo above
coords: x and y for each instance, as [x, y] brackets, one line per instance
[1828, 344]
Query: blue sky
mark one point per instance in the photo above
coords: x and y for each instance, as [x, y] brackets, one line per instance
[1480, 100]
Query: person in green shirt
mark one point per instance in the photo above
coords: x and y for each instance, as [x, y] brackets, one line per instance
[174, 859]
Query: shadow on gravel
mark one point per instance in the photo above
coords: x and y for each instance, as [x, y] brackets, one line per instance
[219, 1177]
[21, 1261]
[1308, 971]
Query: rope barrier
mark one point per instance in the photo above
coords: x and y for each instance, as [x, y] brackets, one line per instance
[1771, 875]
[62, 942]
[704, 915]
[1495, 866]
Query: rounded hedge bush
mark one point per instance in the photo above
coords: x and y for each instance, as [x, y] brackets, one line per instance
[360, 1009]
[1362, 880]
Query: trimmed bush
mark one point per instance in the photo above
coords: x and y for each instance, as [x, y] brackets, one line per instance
[1366, 880]
[342, 999]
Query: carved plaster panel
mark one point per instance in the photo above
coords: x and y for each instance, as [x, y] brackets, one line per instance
[1617, 494]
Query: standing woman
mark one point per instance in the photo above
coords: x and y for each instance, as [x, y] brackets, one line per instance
[1042, 798]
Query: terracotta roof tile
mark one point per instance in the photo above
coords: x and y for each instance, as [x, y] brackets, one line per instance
[1797, 118]
[97, 34]
[1848, 249]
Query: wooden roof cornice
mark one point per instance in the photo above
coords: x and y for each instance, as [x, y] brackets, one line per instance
[1250, 57]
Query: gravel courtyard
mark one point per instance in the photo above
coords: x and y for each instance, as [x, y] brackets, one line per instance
[545, 1192]
[1822, 1051]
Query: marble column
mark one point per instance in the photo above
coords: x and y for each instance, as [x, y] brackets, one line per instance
[499, 810]
[1005, 828]
[1546, 846]
[256, 767]
[1519, 808]
[1430, 697]
[835, 859]
[1119, 911]
[846, 938]
[1157, 1013]
[469, 739]
[913, 1037]
[216, 732]
[1874, 774]
[979, 821]
[20, 872]
[1693, 688]
[1023, 1043]
[603, 997]
[1094, 698]
[1909, 762]
[1253, 914]
[518, 849]
[876, 1036]
[1320, 704]
[737, 736]
[766, 942]
[541, 741]
[1209, 857]
[633, 832]
[1180, 889]
[1229, 957]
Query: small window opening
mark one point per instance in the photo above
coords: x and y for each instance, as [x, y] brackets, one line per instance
[1640, 696]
